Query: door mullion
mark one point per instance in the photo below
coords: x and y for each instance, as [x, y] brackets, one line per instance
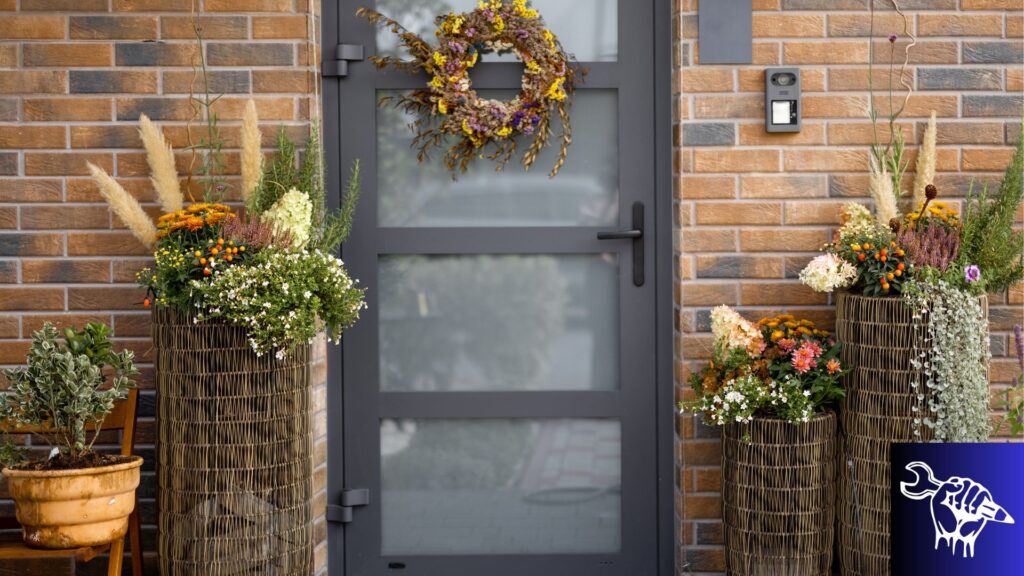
[604, 404]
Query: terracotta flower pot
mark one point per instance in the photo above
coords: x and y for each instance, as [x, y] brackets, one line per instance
[72, 508]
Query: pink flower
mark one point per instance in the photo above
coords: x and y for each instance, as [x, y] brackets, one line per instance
[803, 360]
[787, 344]
[812, 348]
[833, 366]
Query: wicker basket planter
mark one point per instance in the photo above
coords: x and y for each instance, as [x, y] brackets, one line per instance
[879, 336]
[235, 453]
[778, 496]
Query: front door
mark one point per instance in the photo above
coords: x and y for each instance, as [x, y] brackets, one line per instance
[499, 399]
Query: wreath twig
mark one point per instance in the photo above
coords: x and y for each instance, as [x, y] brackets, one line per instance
[450, 111]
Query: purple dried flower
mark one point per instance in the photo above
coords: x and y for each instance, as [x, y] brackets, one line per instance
[972, 273]
[892, 38]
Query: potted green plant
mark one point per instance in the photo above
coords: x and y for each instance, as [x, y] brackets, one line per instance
[772, 386]
[76, 496]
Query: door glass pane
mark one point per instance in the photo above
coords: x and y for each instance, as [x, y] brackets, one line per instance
[585, 192]
[589, 29]
[502, 486]
[482, 323]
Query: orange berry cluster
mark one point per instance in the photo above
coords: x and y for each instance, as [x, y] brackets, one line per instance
[881, 268]
[217, 252]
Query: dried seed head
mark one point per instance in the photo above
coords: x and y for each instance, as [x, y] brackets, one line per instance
[931, 192]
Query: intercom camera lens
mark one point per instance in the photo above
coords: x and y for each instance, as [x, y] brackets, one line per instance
[784, 79]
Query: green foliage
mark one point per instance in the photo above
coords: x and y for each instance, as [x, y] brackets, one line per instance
[336, 226]
[283, 299]
[286, 172]
[60, 387]
[988, 238]
[11, 454]
[953, 362]
[1012, 399]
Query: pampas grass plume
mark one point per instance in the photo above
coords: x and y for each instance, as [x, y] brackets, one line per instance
[925, 164]
[163, 172]
[252, 157]
[125, 206]
[880, 186]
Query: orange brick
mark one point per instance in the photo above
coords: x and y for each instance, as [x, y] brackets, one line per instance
[864, 133]
[707, 294]
[835, 106]
[267, 108]
[26, 190]
[764, 53]
[986, 159]
[926, 51]
[783, 239]
[67, 55]
[32, 27]
[734, 106]
[968, 132]
[840, 79]
[249, 5]
[1015, 80]
[824, 53]
[212, 27]
[105, 298]
[957, 24]
[65, 271]
[31, 298]
[755, 135]
[280, 26]
[65, 163]
[34, 82]
[787, 186]
[67, 109]
[1014, 26]
[788, 26]
[990, 4]
[152, 5]
[740, 213]
[707, 240]
[757, 160]
[27, 136]
[706, 80]
[879, 24]
[703, 506]
[825, 160]
[817, 212]
[64, 217]
[778, 294]
[692, 187]
[34, 322]
[105, 244]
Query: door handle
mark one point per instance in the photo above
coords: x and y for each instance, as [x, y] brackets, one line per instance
[636, 234]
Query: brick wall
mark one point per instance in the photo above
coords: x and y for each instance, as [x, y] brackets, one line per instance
[752, 208]
[74, 77]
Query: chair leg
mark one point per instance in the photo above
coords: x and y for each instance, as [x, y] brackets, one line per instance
[135, 539]
[116, 556]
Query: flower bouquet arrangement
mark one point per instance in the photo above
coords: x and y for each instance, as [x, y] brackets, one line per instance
[267, 266]
[780, 367]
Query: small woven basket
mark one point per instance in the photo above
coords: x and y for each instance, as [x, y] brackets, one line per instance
[234, 453]
[778, 496]
[879, 338]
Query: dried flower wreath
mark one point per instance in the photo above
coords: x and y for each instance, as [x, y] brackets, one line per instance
[495, 26]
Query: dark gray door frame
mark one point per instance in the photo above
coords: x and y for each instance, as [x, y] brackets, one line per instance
[339, 27]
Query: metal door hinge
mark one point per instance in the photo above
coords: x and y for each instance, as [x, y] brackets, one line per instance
[342, 514]
[343, 54]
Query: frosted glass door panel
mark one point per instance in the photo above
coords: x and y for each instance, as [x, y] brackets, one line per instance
[503, 486]
[485, 323]
[585, 192]
[589, 29]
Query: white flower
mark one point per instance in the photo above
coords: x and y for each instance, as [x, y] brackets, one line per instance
[828, 272]
[291, 214]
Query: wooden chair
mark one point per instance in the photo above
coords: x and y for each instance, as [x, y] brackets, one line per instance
[36, 561]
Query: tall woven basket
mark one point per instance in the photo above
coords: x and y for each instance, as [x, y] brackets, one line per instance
[879, 336]
[778, 496]
[234, 453]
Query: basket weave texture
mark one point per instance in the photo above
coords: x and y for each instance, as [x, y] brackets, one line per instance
[234, 453]
[879, 337]
[778, 496]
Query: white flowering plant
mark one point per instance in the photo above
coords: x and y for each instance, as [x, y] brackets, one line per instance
[284, 299]
[780, 367]
[827, 273]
